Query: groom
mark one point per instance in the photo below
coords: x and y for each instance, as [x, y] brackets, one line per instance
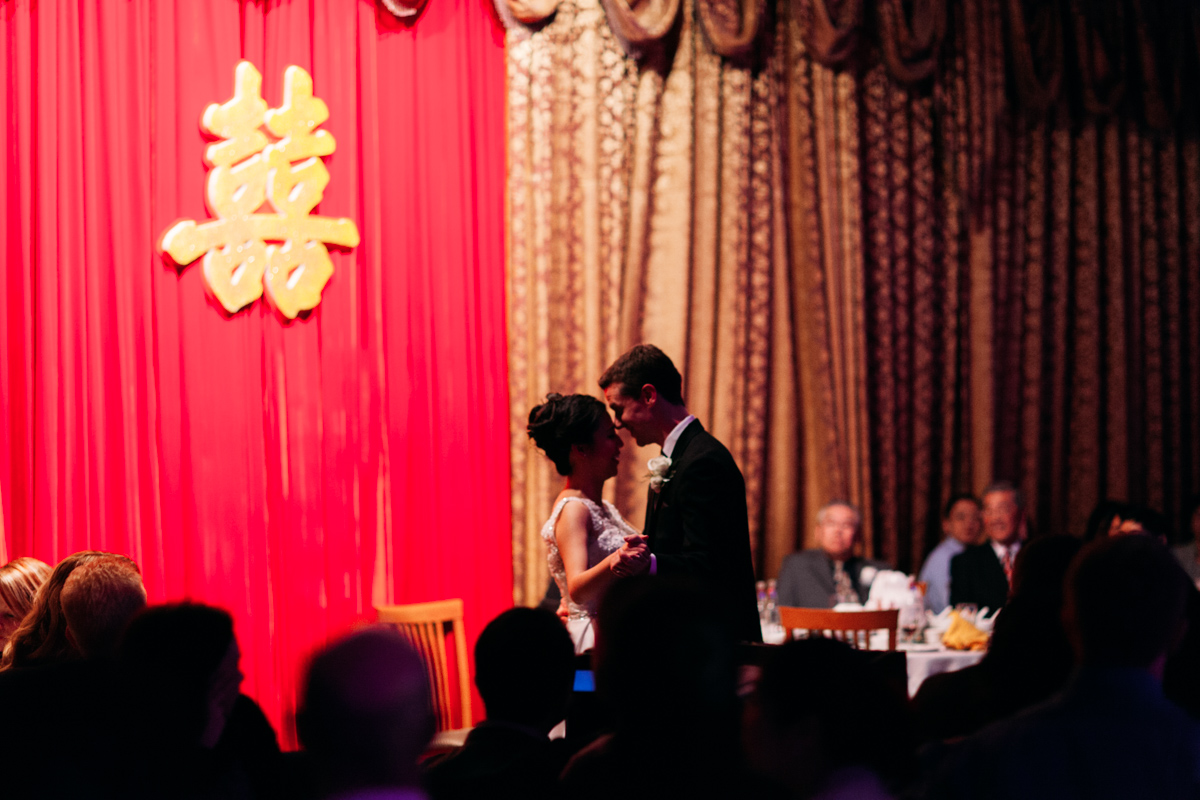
[696, 522]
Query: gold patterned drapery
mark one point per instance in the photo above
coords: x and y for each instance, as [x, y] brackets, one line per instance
[630, 222]
[887, 269]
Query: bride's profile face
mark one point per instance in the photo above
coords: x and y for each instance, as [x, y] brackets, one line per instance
[604, 452]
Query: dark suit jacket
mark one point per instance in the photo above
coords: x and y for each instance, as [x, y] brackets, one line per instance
[1109, 733]
[697, 526]
[806, 579]
[976, 576]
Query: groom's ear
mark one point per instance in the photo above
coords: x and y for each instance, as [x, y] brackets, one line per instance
[649, 394]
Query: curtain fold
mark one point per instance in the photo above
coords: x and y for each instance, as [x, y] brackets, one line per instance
[830, 36]
[629, 223]
[642, 22]
[887, 273]
[297, 472]
[910, 51]
[1102, 61]
[1035, 44]
[732, 28]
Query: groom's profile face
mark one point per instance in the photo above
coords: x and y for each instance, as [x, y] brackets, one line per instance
[631, 413]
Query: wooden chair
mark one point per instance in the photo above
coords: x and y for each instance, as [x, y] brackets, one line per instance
[845, 626]
[424, 625]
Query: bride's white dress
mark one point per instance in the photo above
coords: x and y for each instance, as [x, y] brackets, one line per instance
[607, 533]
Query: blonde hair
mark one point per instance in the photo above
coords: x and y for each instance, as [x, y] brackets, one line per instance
[42, 635]
[19, 582]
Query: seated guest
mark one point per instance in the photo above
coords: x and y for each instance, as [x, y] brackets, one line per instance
[1183, 665]
[365, 717]
[1110, 733]
[1179, 683]
[1104, 519]
[524, 668]
[41, 638]
[982, 574]
[1135, 518]
[1112, 518]
[190, 732]
[666, 670]
[1179, 678]
[829, 574]
[1187, 553]
[1028, 660]
[19, 582]
[962, 527]
[822, 724]
[98, 600]
[68, 705]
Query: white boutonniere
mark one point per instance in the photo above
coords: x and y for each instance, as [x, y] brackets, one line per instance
[659, 467]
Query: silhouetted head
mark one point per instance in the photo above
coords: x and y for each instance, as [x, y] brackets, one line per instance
[1031, 625]
[180, 666]
[365, 714]
[524, 667]
[664, 657]
[819, 707]
[1041, 567]
[98, 600]
[41, 638]
[1125, 601]
[1100, 521]
[1139, 519]
[19, 581]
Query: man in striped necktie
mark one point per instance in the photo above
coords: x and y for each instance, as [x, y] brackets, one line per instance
[983, 574]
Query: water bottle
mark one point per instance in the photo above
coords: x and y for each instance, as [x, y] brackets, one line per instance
[772, 627]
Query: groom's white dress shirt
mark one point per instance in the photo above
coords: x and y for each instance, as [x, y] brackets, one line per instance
[673, 437]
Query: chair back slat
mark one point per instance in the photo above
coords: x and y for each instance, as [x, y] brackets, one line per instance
[437, 654]
[851, 627]
[424, 626]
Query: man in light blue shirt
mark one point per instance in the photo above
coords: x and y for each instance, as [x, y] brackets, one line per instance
[962, 524]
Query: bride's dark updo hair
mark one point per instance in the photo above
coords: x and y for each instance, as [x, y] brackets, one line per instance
[563, 421]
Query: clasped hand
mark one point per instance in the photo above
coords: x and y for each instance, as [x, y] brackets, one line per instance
[633, 558]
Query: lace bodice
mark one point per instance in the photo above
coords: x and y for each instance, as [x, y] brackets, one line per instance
[606, 534]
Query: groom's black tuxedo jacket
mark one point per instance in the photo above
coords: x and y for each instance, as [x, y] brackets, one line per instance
[697, 526]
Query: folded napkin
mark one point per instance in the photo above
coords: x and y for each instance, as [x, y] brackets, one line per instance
[962, 635]
[892, 589]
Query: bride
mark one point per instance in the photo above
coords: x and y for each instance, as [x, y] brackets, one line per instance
[584, 531]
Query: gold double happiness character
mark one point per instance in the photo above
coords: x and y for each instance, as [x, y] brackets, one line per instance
[249, 170]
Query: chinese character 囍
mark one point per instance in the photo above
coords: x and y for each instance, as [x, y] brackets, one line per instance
[248, 170]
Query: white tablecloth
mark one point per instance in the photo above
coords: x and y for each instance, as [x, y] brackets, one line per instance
[923, 663]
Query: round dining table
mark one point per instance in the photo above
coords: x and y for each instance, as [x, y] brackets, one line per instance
[922, 659]
[926, 659]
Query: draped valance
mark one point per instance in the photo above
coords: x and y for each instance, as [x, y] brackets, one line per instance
[1121, 55]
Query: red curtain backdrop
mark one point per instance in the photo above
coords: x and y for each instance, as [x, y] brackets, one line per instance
[294, 473]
